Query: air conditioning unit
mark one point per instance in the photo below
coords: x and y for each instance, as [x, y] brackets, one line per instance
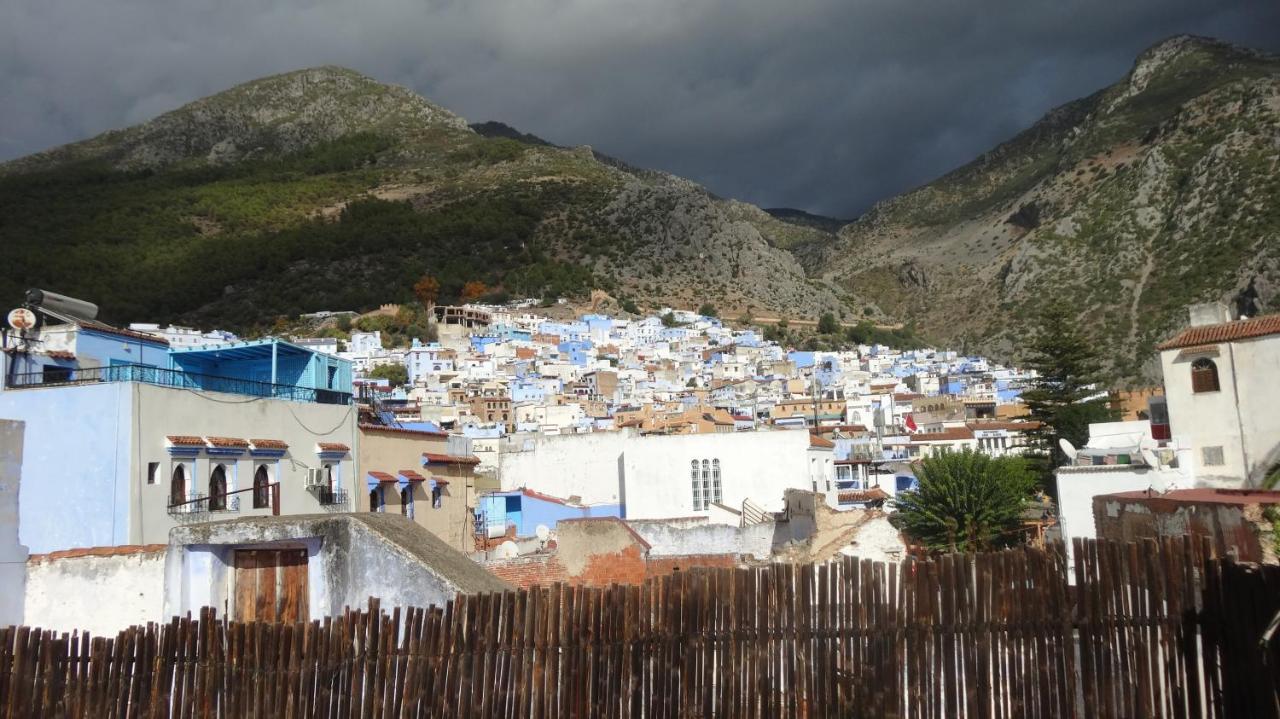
[316, 479]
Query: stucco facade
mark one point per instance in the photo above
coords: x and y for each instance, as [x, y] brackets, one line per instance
[113, 486]
[650, 476]
[1237, 423]
[390, 451]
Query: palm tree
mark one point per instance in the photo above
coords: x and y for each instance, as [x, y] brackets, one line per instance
[966, 501]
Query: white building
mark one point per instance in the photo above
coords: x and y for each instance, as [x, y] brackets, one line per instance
[1222, 394]
[662, 476]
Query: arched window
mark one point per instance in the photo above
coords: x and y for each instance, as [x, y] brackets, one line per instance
[218, 489]
[706, 484]
[375, 500]
[716, 494]
[697, 485]
[178, 486]
[1204, 375]
[406, 501]
[261, 488]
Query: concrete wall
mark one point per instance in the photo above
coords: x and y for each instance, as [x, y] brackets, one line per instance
[682, 537]
[100, 591]
[1077, 486]
[13, 554]
[76, 464]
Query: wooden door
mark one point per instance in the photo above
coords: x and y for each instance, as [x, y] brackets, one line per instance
[271, 585]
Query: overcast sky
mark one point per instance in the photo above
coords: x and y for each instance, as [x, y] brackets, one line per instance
[822, 105]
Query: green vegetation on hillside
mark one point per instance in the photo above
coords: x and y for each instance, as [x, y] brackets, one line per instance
[242, 243]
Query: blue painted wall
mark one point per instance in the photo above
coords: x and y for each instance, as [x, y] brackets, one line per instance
[526, 512]
[76, 447]
[98, 349]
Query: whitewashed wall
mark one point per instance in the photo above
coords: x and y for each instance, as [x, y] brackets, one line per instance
[95, 593]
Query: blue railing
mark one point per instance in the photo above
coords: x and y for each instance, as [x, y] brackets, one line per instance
[56, 376]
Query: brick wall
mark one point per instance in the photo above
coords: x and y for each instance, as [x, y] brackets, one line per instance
[627, 566]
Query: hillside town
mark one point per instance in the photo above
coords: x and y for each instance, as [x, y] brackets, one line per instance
[519, 441]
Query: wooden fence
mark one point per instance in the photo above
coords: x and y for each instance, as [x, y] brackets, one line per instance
[1147, 631]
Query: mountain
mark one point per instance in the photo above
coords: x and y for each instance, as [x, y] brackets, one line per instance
[324, 189]
[807, 219]
[1159, 191]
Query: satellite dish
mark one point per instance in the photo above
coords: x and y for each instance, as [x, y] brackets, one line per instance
[507, 550]
[1150, 458]
[542, 532]
[1068, 449]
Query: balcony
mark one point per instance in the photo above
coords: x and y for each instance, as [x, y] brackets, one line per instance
[332, 497]
[202, 504]
[179, 379]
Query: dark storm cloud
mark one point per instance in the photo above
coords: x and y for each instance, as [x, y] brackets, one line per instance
[822, 105]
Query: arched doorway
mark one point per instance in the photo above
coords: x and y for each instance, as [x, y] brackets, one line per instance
[375, 500]
[218, 489]
[178, 486]
[261, 488]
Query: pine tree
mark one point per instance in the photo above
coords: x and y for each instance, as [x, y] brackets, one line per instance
[1063, 396]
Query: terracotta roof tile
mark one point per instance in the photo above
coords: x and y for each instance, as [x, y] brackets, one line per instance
[116, 551]
[1224, 332]
[333, 447]
[947, 435]
[182, 440]
[412, 476]
[816, 441]
[227, 442]
[269, 444]
[449, 458]
[382, 476]
[61, 354]
[875, 494]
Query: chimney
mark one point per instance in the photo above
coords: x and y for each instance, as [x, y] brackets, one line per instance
[1209, 313]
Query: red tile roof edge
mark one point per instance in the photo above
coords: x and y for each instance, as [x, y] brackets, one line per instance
[412, 476]
[381, 476]
[450, 458]
[333, 447]
[227, 441]
[1223, 332]
[120, 551]
[269, 443]
[184, 440]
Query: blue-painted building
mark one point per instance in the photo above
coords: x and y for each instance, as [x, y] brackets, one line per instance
[525, 509]
[575, 351]
[126, 438]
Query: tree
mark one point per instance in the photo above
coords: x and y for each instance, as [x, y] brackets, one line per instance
[669, 320]
[827, 324]
[427, 290]
[629, 306]
[1063, 396]
[473, 290]
[396, 374]
[966, 501]
[708, 310]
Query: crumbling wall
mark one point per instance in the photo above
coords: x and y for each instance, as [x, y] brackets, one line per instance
[100, 590]
[1238, 531]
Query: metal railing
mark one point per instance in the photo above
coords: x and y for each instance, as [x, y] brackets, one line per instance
[177, 378]
[332, 497]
